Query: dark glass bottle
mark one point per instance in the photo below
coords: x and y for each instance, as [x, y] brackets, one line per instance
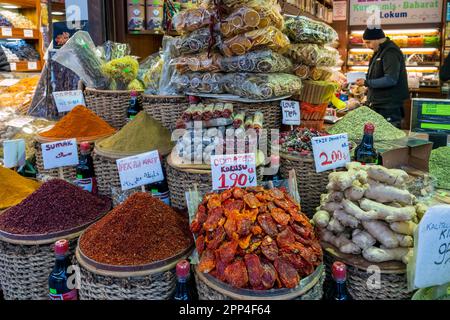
[134, 106]
[365, 152]
[339, 290]
[182, 291]
[85, 169]
[160, 190]
[58, 279]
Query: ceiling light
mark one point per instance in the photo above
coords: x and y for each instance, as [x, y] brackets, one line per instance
[10, 6]
[58, 13]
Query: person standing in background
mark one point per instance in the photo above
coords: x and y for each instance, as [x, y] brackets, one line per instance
[386, 79]
[444, 73]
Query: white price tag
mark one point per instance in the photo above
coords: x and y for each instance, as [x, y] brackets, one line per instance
[28, 33]
[331, 152]
[432, 263]
[8, 82]
[234, 170]
[32, 65]
[291, 112]
[140, 170]
[13, 66]
[7, 32]
[67, 100]
[60, 154]
[14, 153]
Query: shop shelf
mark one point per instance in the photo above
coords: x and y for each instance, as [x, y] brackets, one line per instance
[18, 33]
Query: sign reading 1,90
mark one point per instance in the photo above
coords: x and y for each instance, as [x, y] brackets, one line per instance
[230, 171]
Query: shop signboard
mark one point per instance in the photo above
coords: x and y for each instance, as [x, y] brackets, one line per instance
[384, 12]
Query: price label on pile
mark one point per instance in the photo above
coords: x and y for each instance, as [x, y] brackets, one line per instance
[234, 170]
[291, 112]
[27, 33]
[7, 32]
[60, 154]
[140, 170]
[331, 152]
[433, 248]
[67, 100]
[32, 65]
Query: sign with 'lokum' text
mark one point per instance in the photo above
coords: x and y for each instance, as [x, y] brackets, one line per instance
[382, 12]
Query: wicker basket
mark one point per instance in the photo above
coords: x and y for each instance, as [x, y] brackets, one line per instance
[180, 180]
[151, 283]
[110, 105]
[166, 109]
[25, 267]
[310, 288]
[393, 280]
[311, 184]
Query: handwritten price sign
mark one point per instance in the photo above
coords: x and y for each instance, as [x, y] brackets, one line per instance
[60, 154]
[140, 170]
[291, 112]
[433, 248]
[331, 152]
[67, 100]
[234, 170]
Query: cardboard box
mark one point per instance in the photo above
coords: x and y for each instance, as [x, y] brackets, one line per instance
[409, 152]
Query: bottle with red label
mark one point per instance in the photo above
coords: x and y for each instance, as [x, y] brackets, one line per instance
[365, 152]
[58, 281]
[338, 290]
[85, 170]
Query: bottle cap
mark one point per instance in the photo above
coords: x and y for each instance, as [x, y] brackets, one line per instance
[369, 128]
[134, 93]
[85, 147]
[61, 247]
[339, 271]
[183, 269]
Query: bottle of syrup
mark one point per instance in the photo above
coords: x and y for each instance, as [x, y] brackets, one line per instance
[58, 281]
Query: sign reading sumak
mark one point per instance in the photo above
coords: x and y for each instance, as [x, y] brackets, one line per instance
[140, 170]
[60, 154]
[395, 11]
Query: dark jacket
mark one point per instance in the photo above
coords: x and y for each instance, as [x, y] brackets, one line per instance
[444, 73]
[387, 79]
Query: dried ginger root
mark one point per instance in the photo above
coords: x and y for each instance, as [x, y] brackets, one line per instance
[345, 219]
[339, 181]
[404, 227]
[341, 242]
[382, 233]
[421, 209]
[356, 191]
[353, 209]
[384, 193]
[363, 239]
[394, 177]
[331, 206]
[321, 218]
[405, 241]
[388, 213]
[378, 255]
[335, 226]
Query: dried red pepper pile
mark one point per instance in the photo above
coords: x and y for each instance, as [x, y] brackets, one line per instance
[255, 238]
[140, 231]
[56, 206]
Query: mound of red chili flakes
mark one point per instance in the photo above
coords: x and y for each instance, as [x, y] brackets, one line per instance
[140, 231]
[56, 206]
[255, 238]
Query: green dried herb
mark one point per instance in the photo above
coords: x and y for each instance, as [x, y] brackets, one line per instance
[353, 124]
[439, 160]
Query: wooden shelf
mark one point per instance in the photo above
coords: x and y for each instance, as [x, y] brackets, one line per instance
[21, 3]
[292, 10]
[25, 66]
[18, 33]
[152, 32]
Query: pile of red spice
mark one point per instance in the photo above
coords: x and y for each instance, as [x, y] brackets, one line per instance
[140, 231]
[56, 206]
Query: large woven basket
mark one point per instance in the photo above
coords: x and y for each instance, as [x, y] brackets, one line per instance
[310, 288]
[110, 105]
[393, 281]
[311, 184]
[166, 109]
[152, 283]
[180, 180]
[25, 267]
[271, 111]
